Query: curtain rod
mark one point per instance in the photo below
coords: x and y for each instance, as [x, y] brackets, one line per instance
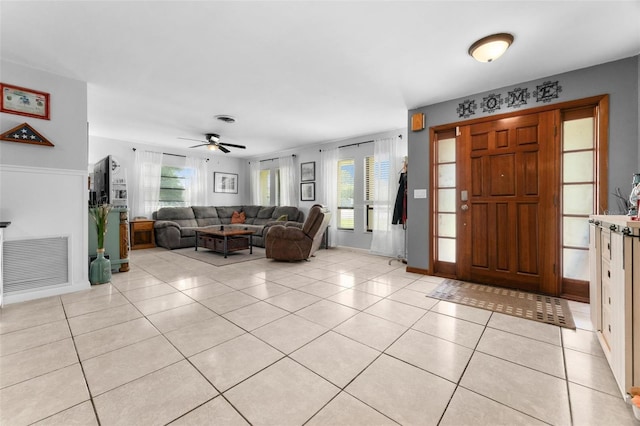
[359, 143]
[271, 159]
[173, 155]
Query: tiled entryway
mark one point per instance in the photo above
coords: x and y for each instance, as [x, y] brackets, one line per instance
[345, 339]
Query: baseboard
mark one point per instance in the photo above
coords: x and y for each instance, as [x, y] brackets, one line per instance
[418, 270]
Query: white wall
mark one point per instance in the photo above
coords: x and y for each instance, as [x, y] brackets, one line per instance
[218, 162]
[43, 189]
[359, 237]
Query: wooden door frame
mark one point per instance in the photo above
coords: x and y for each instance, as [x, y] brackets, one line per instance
[601, 102]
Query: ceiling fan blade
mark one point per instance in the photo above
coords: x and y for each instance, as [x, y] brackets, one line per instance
[232, 145]
[223, 149]
[202, 144]
[189, 139]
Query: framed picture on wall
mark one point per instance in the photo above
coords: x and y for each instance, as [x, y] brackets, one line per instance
[227, 183]
[23, 101]
[308, 171]
[308, 191]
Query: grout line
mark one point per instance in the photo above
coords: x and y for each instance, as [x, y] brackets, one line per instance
[566, 376]
[84, 374]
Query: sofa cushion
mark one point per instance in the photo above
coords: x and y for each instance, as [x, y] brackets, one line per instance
[183, 216]
[262, 222]
[251, 211]
[238, 217]
[225, 213]
[205, 212]
[188, 231]
[290, 212]
[265, 213]
[175, 213]
[206, 216]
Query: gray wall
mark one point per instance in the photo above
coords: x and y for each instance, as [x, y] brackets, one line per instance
[619, 79]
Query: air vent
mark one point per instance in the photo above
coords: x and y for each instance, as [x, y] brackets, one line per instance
[35, 264]
[226, 118]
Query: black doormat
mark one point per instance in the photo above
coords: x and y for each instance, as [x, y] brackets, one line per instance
[536, 307]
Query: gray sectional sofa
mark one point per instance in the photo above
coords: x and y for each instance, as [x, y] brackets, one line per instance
[175, 226]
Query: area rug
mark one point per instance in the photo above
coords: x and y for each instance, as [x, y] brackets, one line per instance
[536, 307]
[217, 259]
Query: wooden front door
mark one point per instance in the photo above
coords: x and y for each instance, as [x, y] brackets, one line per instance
[507, 203]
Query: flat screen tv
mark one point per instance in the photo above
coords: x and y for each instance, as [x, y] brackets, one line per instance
[102, 180]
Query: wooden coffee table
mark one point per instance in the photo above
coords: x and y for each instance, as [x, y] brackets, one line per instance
[224, 240]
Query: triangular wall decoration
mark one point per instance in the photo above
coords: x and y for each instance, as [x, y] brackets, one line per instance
[25, 134]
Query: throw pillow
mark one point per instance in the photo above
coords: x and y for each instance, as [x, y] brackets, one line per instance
[283, 218]
[238, 217]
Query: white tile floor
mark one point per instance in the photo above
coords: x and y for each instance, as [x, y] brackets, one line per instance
[345, 339]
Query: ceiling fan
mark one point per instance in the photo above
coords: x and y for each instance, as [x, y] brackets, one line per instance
[213, 142]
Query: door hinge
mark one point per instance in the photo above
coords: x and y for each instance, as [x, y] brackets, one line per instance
[555, 130]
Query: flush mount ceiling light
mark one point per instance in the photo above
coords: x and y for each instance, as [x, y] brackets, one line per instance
[490, 48]
[226, 118]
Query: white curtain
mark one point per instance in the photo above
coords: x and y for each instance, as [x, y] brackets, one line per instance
[388, 155]
[254, 182]
[197, 185]
[288, 195]
[329, 188]
[148, 168]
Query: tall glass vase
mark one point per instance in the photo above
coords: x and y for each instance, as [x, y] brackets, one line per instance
[100, 269]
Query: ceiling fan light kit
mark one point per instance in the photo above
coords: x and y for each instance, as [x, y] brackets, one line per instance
[213, 143]
[490, 48]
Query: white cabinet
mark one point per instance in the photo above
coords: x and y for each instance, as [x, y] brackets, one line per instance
[614, 290]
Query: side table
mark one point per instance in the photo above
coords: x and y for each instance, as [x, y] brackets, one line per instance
[142, 235]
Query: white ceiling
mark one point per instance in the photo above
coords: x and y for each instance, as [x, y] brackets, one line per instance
[296, 72]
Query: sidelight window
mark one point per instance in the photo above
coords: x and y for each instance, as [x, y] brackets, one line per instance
[445, 206]
[578, 190]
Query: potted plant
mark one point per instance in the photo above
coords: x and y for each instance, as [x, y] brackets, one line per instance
[100, 268]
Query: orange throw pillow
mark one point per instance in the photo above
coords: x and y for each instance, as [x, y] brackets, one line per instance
[238, 217]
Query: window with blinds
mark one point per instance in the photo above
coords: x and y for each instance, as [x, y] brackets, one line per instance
[173, 186]
[373, 171]
[346, 179]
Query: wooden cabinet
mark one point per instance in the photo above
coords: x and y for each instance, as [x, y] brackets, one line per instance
[142, 235]
[614, 290]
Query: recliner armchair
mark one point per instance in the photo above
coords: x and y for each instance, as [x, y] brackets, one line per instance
[295, 243]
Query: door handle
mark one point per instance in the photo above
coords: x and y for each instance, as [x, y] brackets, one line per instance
[464, 207]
